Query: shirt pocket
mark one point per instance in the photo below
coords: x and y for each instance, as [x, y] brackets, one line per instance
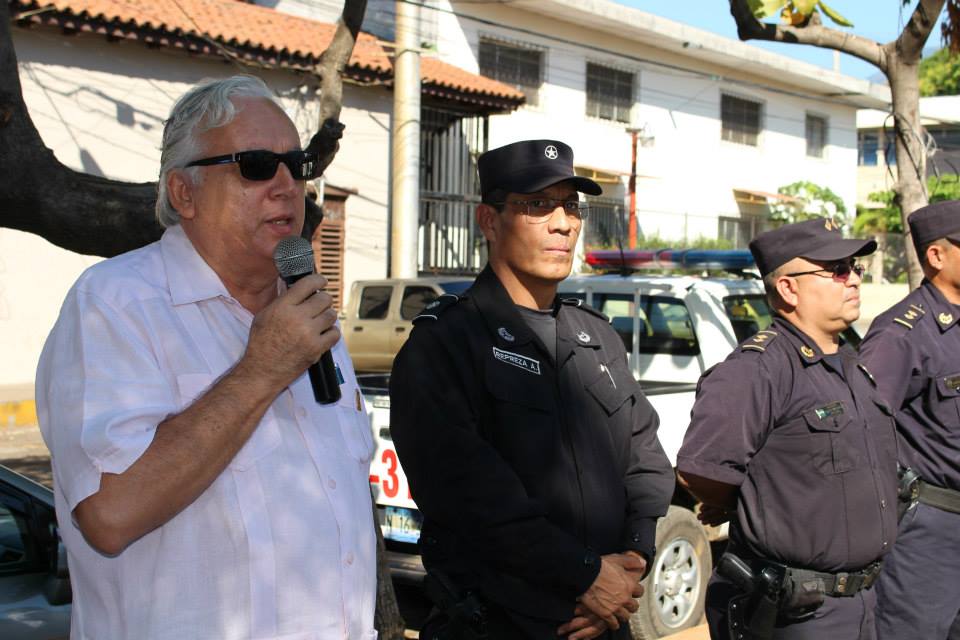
[836, 449]
[355, 426]
[948, 394]
[611, 385]
[264, 439]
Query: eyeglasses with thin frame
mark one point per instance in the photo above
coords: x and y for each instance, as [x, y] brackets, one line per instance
[839, 271]
[539, 210]
[260, 164]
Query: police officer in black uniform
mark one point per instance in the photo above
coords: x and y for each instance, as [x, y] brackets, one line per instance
[790, 437]
[529, 447]
[914, 351]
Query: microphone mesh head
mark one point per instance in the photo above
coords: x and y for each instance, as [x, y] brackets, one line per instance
[293, 256]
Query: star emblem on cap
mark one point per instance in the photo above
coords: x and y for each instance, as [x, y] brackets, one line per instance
[945, 318]
[551, 152]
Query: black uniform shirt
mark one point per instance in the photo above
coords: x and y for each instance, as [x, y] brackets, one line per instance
[913, 349]
[813, 451]
[526, 468]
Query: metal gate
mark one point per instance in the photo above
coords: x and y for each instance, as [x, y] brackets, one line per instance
[606, 223]
[450, 241]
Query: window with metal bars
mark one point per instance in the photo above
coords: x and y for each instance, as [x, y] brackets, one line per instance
[741, 120]
[609, 93]
[513, 65]
[816, 135]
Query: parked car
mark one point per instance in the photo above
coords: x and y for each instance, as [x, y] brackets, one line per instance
[674, 328]
[35, 591]
[377, 319]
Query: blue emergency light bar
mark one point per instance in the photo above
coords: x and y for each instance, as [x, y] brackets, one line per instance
[693, 259]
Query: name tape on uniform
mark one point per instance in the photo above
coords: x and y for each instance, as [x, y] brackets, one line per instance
[517, 360]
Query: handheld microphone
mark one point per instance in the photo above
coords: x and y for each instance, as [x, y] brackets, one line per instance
[294, 259]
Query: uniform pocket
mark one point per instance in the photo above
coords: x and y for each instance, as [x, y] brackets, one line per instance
[948, 393]
[264, 439]
[612, 385]
[837, 450]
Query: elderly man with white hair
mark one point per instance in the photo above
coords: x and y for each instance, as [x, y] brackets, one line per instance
[201, 491]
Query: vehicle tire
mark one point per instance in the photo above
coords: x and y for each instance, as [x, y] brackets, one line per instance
[675, 588]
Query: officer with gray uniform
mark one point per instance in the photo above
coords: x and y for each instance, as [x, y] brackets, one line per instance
[914, 351]
[791, 440]
[530, 449]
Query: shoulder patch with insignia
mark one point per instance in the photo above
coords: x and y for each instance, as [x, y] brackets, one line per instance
[580, 304]
[759, 341]
[433, 310]
[910, 316]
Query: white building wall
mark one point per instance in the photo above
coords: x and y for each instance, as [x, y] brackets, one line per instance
[100, 107]
[687, 175]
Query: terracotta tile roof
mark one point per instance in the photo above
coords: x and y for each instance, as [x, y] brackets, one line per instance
[256, 34]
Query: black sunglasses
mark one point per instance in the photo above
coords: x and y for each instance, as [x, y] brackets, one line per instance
[840, 271]
[260, 164]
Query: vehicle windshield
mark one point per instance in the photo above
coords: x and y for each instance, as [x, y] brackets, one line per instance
[751, 313]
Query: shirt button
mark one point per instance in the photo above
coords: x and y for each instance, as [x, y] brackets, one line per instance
[883, 504]
[884, 544]
[301, 413]
[331, 483]
[348, 559]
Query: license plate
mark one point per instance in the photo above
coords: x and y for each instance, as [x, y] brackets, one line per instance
[401, 525]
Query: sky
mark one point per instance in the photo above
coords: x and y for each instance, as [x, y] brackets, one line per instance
[879, 20]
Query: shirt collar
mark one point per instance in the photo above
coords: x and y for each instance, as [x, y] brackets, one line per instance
[499, 311]
[807, 348]
[945, 314]
[189, 276]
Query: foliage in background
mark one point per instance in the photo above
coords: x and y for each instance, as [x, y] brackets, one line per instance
[655, 241]
[887, 219]
[812, 201]
[795, 12]
[940, 74]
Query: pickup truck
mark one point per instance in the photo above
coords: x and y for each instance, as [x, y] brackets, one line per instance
[377, 319]
[674, 328]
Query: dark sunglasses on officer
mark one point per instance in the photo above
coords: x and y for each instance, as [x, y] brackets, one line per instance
[839, 271]
[260, 164]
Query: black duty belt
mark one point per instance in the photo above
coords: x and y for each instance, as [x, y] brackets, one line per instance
[946, 499]
[840, 584]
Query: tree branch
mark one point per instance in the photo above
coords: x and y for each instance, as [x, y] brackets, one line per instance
[909, 44]
[812, 33]
[330, 68]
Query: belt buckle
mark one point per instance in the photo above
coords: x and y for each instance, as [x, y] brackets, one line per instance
[841, 586]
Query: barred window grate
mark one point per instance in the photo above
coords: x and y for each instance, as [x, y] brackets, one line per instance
[740, 120]
[816, 136]
[517, 66]
[609, 93]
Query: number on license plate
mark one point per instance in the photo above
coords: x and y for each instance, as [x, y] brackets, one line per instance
[401, 525]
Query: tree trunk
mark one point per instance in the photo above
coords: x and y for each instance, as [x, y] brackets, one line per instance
[911, 185]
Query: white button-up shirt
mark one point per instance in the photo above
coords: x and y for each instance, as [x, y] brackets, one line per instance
[281, 545]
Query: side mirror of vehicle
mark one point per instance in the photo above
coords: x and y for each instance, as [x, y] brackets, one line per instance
[56, 588]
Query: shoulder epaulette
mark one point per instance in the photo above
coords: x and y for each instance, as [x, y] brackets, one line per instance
[759, 341]
[909, 317]
[580, 304]
[433, 310]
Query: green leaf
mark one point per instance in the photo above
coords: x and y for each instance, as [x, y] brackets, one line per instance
[766, 8]
[833, 15]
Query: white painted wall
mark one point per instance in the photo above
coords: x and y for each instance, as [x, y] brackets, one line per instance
[100, 106]
[686, 178]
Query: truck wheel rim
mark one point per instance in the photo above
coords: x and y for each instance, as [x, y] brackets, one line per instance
[676, 582]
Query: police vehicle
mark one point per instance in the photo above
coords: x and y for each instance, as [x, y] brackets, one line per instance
[674, 328]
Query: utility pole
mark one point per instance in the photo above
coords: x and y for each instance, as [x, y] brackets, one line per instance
[405, 187]
[632, 187]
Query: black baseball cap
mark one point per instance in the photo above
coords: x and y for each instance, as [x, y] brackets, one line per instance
[933, 222]
[816, 239]
[529, 166]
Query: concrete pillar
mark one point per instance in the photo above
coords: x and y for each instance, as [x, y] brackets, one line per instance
[405, 185]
